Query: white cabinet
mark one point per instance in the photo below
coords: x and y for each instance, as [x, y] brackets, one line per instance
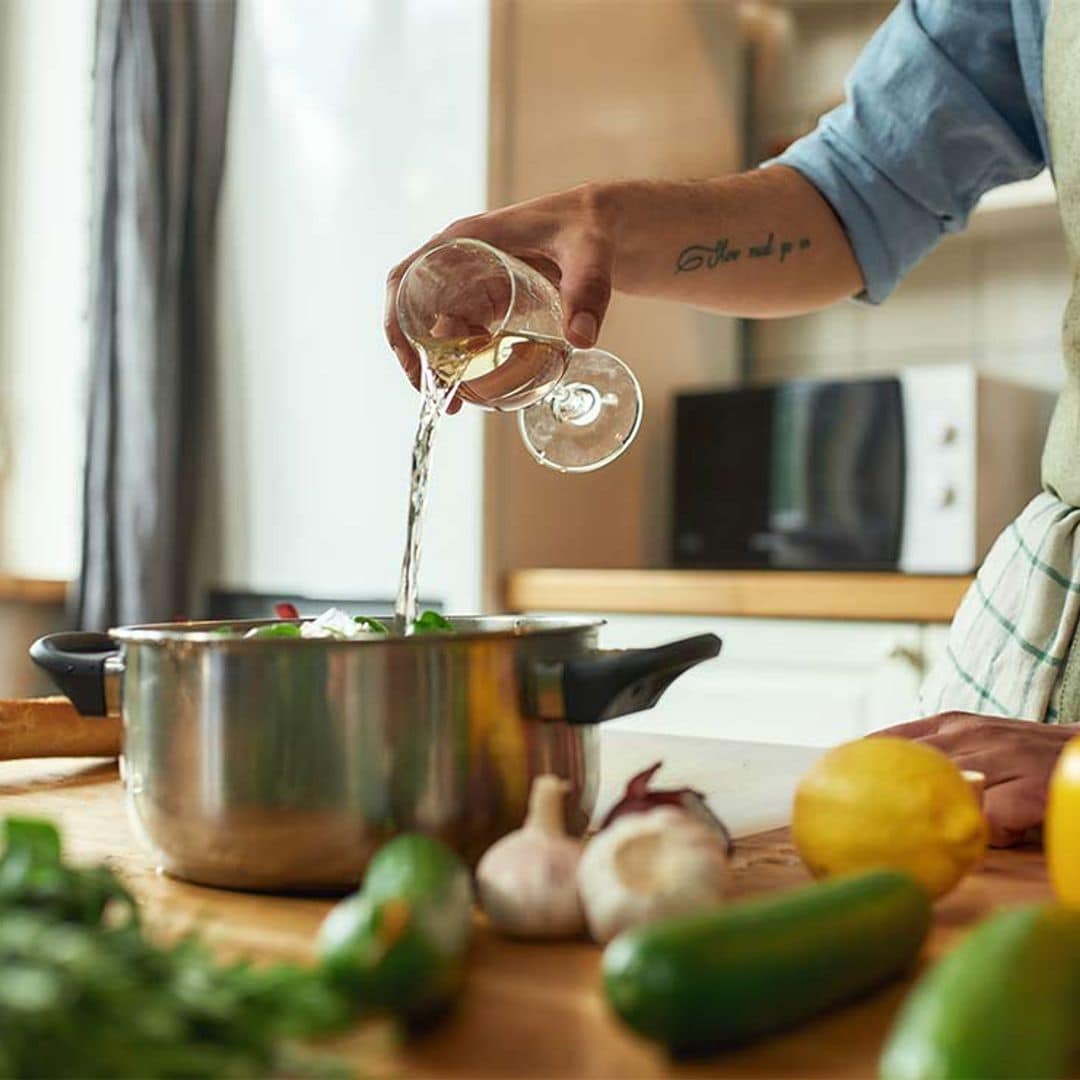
[802, 682]
[935, 640]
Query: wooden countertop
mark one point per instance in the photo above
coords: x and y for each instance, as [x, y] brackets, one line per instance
[527, 1010]
[793, 594]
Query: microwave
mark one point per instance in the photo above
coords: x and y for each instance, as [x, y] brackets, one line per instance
[916, 472]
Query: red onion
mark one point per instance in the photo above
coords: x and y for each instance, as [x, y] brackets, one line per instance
[639, 797]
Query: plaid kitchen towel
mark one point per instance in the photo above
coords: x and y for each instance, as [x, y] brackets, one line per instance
[1009, 652]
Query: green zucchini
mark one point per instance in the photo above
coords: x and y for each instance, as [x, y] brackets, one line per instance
[399, 944]
[1003, 1003]
[728, 976]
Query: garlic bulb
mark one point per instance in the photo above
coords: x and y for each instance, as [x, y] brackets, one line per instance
[648, 866]
[527, 881]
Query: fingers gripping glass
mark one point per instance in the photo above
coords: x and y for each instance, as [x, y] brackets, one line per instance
[492, 325]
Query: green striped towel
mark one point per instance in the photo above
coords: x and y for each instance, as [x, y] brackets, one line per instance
[1009, 644]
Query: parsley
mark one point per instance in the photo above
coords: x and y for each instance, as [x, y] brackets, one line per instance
[84, 992]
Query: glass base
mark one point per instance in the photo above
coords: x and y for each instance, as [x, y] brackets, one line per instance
[589, 419]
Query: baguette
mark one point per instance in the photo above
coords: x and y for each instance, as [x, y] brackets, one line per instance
[51, 727]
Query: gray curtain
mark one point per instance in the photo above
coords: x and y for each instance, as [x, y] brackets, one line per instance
[161, 92]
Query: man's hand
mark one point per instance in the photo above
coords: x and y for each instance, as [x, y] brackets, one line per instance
[758, 244]
[1016, 756]
[569, 237]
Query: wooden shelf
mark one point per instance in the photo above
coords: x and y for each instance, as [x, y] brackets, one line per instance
[22, 590]
[758, 593]
[1027, 203]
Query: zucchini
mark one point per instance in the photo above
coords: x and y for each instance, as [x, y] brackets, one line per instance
[399, 944]
[728, 976]
[1003, 1003]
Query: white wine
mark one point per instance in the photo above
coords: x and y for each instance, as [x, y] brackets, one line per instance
[508, 372]
[435, 396]
[431, 410]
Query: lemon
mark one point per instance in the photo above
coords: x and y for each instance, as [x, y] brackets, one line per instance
[885, 801]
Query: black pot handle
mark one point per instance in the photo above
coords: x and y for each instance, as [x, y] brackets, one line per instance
[75, 661]
[615, 682]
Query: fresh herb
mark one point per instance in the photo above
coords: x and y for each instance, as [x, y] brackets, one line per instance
[84, 992]
[276, 630]
[34, 876]
[431, 622]
[337, 624]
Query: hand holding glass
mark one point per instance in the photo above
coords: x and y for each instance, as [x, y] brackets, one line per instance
[492, 324]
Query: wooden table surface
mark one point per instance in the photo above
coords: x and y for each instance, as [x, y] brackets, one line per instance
[527, 1010]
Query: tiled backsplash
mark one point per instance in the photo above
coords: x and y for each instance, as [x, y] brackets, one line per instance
[995, 301]
[992, 298]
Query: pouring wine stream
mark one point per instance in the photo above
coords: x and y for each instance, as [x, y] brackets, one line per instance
[488, 328]
[451, 359]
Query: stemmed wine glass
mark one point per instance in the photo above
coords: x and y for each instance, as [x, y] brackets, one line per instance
[492, 324]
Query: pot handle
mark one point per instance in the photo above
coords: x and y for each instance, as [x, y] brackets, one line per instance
[612, 682]
[78, 662]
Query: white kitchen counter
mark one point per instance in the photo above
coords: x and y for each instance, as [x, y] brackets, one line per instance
[749, 785]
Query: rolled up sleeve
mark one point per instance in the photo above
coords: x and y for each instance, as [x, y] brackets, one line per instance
[935, 116]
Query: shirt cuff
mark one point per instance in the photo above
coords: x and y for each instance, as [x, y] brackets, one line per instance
[888, 231]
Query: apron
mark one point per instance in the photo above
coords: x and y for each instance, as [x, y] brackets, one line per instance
[1013, 648]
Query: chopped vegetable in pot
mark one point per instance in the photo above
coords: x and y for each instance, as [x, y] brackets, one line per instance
[337, 625]
[431, 622]
[275, 630]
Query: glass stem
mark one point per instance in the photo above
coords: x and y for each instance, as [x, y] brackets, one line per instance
[577, 404]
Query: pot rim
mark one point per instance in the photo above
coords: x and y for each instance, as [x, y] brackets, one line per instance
[505, 628]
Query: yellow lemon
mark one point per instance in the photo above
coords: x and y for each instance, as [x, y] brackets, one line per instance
[885, 801]
[1061, 834]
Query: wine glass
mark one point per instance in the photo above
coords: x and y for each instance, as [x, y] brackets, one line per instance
[492, 325]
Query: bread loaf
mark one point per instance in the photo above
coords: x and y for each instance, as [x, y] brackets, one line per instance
[51, 727]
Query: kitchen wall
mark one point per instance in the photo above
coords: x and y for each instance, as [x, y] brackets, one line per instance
[357, 129]
[45, 98]
[596, 90]
[995, 301]
[993, 296]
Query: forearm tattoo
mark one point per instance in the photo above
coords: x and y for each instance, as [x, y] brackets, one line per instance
[704, 257]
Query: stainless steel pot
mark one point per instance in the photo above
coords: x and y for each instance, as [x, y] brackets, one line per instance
[283, 764]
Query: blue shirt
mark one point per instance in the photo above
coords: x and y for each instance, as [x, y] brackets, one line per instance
[945, 103]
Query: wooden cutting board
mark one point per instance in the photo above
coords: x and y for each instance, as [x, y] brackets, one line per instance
[527, 1010]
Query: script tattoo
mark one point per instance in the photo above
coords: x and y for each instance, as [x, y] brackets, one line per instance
[703, 256]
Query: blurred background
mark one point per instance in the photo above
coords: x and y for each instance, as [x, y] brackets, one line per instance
[199, 203]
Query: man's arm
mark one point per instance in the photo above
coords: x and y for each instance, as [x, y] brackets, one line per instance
[756, 244]
[759, 244]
